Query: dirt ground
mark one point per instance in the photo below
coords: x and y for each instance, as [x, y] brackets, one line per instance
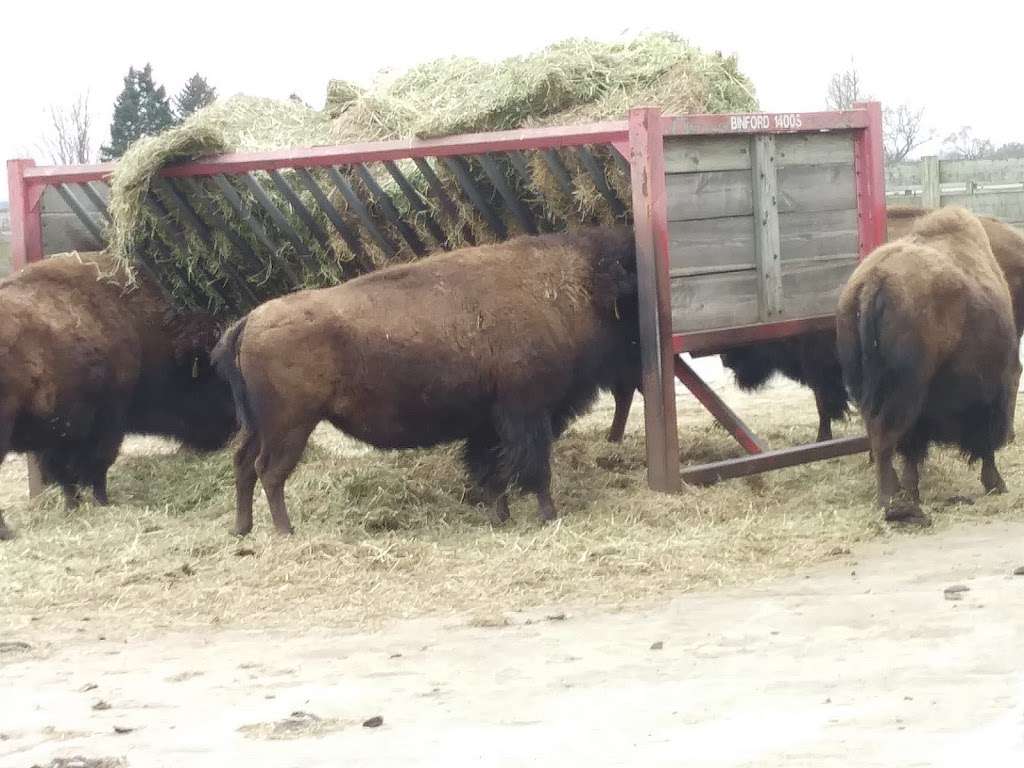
[860, 662]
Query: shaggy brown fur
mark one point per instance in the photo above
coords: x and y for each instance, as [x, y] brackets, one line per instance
[500, 345]
[87, 359]
[927, 341]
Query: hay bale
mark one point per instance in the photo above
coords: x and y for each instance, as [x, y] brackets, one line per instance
[569, 82]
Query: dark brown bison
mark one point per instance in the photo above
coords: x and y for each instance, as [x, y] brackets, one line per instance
[500, 346]
[811, 359]
[928, 345]
[88, 358]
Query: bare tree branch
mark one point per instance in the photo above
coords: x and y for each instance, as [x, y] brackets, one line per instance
[962, 145]
[68, 139]
[844, 89]
[903, 132]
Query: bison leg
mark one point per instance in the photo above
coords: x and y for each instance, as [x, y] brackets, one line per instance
[898, 506]
[245, 480]
[276, 462]
[623, 402]
[526, 455]
[106, 445]
[6, 429]
[990, 477]
[824, 419]
[1011, 434]
[481, 459]
[912, 478]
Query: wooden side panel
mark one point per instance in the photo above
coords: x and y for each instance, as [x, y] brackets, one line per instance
[707, 245]
[818, 234]
[62, 229]
[767, 245]
[827, 187]
[707, 153]
[709, 195]
[714, 301]
[1008, 206]
[812, 288]
[727, 244]
[814, 148]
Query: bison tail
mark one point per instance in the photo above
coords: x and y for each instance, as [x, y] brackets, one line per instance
[225, 361]
[883, 359]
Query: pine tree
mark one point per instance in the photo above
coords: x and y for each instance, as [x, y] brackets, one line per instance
[141, 109]
[196, 94]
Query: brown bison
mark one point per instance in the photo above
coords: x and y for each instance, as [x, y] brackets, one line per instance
[88, 358]
[499, 345]
[811, 359]
[926, 337]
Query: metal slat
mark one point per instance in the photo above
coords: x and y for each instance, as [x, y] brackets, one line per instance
[168, 227]
[361, 211]
[522, 170]
[460, 170]
[497, 177]
[448, 207]
[279, 219]
[300, 209]
[81, 214]
[221, 224]
[390, 212]
[94, 197]
[351, 238]
[597, 175]
[559, 171]
[416, 202]
[235, 201]
[191, 219]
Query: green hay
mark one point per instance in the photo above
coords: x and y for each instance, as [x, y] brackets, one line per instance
[569, 82]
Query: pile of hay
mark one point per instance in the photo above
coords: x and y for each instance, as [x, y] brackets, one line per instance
[382, 535]
[569, 82]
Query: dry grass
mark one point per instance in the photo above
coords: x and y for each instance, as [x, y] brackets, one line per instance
[388, 535]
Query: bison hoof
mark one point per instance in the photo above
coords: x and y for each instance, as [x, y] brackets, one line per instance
[284, 530]
[6, 534]
[500, 514]
[907, 513]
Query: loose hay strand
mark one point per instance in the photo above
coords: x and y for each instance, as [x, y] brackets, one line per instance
[389, 535]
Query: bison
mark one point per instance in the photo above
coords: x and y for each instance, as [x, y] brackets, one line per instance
[928, 346]
[88, 357]
[498, 345]
[811, 359]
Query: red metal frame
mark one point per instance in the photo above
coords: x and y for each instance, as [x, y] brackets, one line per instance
[641, 141]
[717, 407]
[766, 122]
[650, 223]
[26, 216]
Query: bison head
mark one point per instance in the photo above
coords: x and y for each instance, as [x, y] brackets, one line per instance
[183, 397]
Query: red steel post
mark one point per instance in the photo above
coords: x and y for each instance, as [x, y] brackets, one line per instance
[869, 160]
[26, 216]
[647, 168]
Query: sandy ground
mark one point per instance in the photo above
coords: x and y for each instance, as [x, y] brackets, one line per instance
[862, 661]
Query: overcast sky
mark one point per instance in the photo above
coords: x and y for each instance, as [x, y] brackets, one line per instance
[963, 66]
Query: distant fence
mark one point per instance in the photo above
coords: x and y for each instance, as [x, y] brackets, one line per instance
[992, 187]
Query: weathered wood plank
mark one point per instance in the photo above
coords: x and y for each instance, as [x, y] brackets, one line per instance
[729, 242]
[1008, 206]
[818, 234]
[930, 192]
[709, 195]
[813, 148]
[711, 243]
[813, 288]
[767, 242]
[63, 232]
[714, 301]
[687, 154]
[828, 187]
